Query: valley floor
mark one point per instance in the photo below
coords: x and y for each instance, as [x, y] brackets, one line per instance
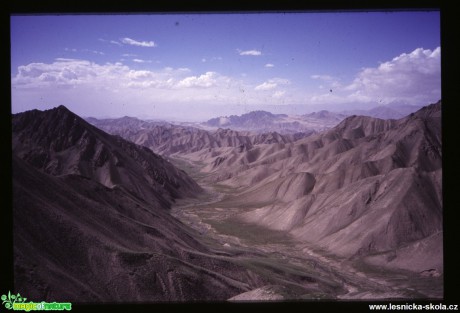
[297, 270]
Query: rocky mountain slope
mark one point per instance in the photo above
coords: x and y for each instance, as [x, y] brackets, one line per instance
[58, 142]
[368, 188]
[389, 111]
[91, 220]
[77, 240]
[363, 197]
[169, 139]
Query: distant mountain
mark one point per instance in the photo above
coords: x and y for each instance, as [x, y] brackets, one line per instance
[326, 115]
[251, 120]
[262, 121]
[167, 139]
[367, 189]
[125, 126]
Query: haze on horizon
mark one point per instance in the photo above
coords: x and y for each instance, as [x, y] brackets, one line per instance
[198, 66]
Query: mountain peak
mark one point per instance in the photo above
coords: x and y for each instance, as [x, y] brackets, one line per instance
[258, 113]
[433, 109]
[61, 109]
[59, 142]
[57, 128]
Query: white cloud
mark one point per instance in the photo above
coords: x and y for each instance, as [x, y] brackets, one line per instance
[272, 84]
[110, 76]
[115, 87]
[94, 51]
[209, 79]
[414, 77]
[139, 75]
[110, 41]
[269, 65]
[279, 94]
[212, 59]
[141, 61]
[280, 81]
[332, 82]
[129, 41]
[60, 73]
[323, 77]
[250, 52]
[266, 86]
[84, 50]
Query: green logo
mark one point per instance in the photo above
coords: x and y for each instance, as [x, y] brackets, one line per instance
[18, 303]
[10, 300]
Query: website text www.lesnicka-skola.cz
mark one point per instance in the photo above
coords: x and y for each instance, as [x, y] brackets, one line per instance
[413, 307]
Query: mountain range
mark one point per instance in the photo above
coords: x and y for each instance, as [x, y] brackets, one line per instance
[263, 121]
[133, 210]
[368, 189]
[167, 139]
[92, 221]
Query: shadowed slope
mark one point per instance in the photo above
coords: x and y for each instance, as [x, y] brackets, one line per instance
[77, 240]
[58, 142]
[90, 222]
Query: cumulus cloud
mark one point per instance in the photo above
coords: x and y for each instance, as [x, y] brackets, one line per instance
[266, 86]
[269, 65]
[60, 73]
[129, 41]
[209, 79]
[250, 52]
[272, 84]
[410, 77]
[72, 72]
[108, 87]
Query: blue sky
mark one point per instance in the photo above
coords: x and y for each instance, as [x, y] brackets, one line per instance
[193, 67]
